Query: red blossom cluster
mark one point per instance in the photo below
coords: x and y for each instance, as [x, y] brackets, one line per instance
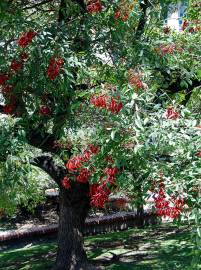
[190, 29]
[83, 176]
[111, 104]
[100, 192]
[3, 79]
[94, 6]
[99, 101]
[171, 114]
[93, 189]
[44, 110]
[185, 24]
[100, 197]
[119, 14]
[26, 38]
[165, 49]
[54, 67]
[76, 162]
[167, 207]
[66, 182]
[16, 65]
[23, 57]
[10, 107]
[198, 154]
[134, 79]
[166, 30]
[7, 89]
[124, 10]
[111, 174]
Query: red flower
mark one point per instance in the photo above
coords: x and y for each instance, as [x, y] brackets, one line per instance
[93, 149]
[134, 80]
[86, 156]
[93, 189]
[117, 14]
[191, 30]
[109, 159]
[125, 16]
[84, 175]
[171, 114]
[44, 110]
[74, 163]
[54, 67]
[163, 207]
[26, 38]
[114, 106]
[7, 89]
[101, 196]
[66, 183]
[111, 171]
[24, 56]
[198, 154]
[9, 108]
[94, 6]
[3, 79]
[111, 174]
[99, 102]
[16, 66]
[185, 25]
[166, 30]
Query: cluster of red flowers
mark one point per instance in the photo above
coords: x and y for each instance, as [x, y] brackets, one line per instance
[100, 196]
[185, 24]
[23, 57]
[121, 15]
[198, 154]
[44, 110]
[171, 114]
[100, 192]
[7, 89]
[166, 30]
[191, 29]
[3, 79]
[111, 174]
[165, 49]
[134, 79]
[76, 162]
[11, 105]
[16, 65]
[125, 8]
[66, 182]
[83, 176]
[167, 207]
[26, 38]
[111, 104]
[94, 6]
[54, 67]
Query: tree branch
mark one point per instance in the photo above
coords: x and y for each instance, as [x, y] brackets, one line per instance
[47, 164]
[143, 18]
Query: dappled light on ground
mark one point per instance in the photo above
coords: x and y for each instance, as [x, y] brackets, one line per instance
[164, 248]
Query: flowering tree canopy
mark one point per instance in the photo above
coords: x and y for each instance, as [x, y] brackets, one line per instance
[104, 98]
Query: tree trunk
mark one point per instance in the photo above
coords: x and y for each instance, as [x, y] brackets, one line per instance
[74, 207]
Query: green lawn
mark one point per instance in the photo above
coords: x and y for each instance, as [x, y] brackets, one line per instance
[137, 249]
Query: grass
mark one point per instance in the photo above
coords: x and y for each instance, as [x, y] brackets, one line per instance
[158, 248]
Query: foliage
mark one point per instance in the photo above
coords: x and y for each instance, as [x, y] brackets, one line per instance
[76, 76]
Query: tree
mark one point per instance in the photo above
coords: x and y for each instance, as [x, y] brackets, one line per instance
[62, 59]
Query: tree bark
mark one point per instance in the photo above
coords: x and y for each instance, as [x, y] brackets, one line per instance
[74, 207]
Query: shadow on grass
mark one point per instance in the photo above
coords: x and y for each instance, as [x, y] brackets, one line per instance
[135, 249]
